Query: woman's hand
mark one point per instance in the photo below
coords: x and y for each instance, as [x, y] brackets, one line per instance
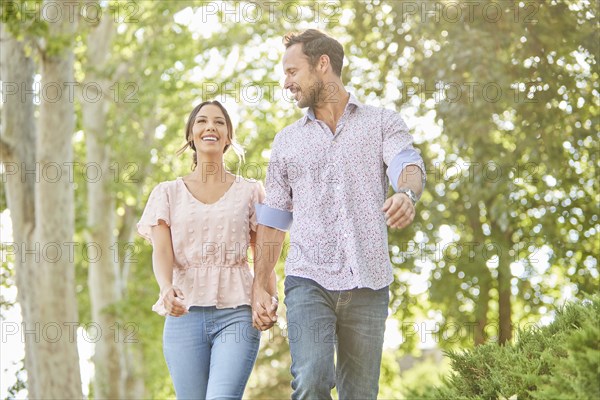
[173, 301]
[264, 309]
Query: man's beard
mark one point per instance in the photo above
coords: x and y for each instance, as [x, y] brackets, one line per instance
[313, 95]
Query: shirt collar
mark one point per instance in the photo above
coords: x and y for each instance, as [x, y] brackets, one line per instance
[353, 103]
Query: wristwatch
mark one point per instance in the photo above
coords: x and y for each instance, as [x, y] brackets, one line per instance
[411, 195]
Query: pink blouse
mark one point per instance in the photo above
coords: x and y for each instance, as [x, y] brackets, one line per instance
[210, 241]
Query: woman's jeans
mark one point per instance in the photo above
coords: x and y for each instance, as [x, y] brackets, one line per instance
[210, 352]
[321, 320]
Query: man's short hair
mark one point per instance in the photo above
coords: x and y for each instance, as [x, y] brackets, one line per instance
[315, 44]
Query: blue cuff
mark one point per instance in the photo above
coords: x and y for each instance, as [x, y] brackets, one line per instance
[273, 217]
[401, 161]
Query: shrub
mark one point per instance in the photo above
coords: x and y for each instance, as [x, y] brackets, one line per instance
[557, 361]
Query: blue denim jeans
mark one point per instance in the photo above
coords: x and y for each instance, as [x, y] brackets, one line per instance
[210, 352]
[321, 321]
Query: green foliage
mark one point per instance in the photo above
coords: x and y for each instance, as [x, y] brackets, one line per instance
[557, 361]
[22, 20]
[506, 174]
[271, 375]
[419, 381]
[7, 277]
[32, 20]
[576, 375]
[145, 326]
[19, 385]
[3, 204]
[390, 381]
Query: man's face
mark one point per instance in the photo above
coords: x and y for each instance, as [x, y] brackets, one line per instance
[301, 79]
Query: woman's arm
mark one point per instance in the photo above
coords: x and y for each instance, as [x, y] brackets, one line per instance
[162, 264]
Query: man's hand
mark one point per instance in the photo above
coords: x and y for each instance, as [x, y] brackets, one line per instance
[264, 308]
[399, 211]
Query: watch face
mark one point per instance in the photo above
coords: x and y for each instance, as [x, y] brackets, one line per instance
[411, 195]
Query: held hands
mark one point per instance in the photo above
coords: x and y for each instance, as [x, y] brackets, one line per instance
[399, 211]
[173, 301]
[264, 309]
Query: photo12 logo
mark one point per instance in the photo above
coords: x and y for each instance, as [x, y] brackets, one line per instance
[52, 92]
[52, 332]
[56, 11]
[53, 172]
[469, 11]
[254, 11]
[471, 92]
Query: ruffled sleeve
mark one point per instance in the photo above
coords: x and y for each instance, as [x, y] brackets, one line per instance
[157, 208]
[258, 196]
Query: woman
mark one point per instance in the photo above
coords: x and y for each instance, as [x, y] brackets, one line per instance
[201, 227]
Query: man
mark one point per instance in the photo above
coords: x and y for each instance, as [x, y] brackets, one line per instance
[327, 174]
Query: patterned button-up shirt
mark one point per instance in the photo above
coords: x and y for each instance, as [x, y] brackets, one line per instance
[335, 185]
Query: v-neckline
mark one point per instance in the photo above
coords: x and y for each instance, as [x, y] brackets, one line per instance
[189, 192]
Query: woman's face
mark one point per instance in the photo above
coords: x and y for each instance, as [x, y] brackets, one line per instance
[209, 130]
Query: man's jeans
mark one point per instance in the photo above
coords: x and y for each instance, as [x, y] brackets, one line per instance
[321, 320]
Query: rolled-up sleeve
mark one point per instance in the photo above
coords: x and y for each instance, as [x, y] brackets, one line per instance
[398, 150]
[276, 211]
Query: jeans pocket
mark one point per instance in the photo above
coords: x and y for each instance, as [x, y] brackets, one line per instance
[290, 283]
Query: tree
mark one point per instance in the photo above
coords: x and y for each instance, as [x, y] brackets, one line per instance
[517, 136]
[41, 204]
[123, 101]
[514, 106]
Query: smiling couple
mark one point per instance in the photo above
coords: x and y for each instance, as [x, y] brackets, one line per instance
[215, 307]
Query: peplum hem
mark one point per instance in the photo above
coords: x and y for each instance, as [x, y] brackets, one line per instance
[219, 286]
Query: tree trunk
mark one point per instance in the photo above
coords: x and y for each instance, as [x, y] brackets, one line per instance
[44, 229]
[103, 272]
[59, 375]
[133, 356]
[504, 307]
[17, 154]
[481, 312]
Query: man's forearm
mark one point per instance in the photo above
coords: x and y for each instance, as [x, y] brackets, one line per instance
[269, 242]
[272, 289]
[411, 178]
